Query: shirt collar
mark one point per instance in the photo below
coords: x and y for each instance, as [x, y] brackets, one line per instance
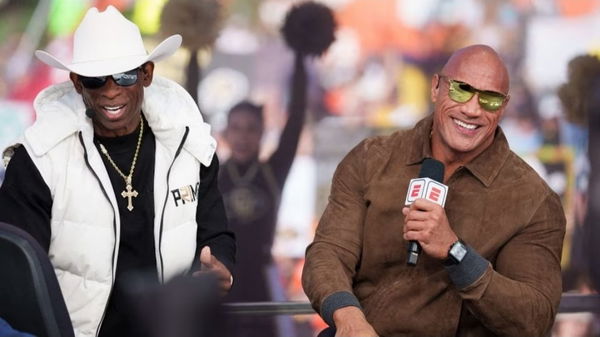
[420, 142]
[484, 167]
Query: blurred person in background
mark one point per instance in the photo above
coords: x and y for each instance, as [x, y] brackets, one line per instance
[252, 191]
[490, 261]
[580, 97]
[117, 177]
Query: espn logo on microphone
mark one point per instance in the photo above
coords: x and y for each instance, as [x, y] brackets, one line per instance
[426, 188]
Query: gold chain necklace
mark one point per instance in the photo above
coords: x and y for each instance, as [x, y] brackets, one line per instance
[129, 191]
[237, 178]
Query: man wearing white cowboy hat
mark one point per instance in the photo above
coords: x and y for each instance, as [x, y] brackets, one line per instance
[118, 175]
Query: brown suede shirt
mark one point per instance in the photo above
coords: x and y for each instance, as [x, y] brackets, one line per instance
[510, 281]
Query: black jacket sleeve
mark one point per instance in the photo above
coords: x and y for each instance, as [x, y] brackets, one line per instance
[25, 199]
[212, 220]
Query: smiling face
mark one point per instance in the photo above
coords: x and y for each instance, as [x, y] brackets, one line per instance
[461, 131]
[117, 108]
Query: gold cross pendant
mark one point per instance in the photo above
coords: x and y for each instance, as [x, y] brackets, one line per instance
[129, 193]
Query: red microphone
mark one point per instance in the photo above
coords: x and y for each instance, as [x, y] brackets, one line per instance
[428, 186]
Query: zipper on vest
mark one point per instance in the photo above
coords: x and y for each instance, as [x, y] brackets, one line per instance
[85, 156]
[162, 215]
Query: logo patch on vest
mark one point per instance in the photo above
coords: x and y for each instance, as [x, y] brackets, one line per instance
[185, 194]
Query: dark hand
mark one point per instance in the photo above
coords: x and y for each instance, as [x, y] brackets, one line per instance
[426, 222]
[210, 264]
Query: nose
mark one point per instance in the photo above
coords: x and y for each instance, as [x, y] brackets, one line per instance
[111, 89]
[471, 108]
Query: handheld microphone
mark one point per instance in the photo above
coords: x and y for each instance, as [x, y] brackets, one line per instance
[428, 186]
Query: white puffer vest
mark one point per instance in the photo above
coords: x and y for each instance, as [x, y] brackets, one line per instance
[85, 231]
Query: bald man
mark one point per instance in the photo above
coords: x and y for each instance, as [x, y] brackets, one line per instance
[490, 260]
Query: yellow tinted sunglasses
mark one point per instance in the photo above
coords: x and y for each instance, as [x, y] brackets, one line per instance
[462, 92]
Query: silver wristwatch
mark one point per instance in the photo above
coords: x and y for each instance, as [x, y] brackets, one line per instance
[456, 253]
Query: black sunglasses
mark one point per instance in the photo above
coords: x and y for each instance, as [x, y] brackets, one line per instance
[124, 79]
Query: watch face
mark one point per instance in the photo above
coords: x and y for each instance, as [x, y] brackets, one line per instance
[458, 251]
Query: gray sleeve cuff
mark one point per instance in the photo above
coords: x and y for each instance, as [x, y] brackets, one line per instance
[469, 270]
[335, 301]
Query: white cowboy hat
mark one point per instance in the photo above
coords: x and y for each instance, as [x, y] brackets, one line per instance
[106, 43]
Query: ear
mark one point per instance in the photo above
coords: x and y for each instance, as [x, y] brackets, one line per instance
[147, 73]
[504, 105]
[75, 79]
[435, 87]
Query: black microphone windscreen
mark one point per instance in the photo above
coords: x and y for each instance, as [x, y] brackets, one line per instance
[89, 112]
[433, 169]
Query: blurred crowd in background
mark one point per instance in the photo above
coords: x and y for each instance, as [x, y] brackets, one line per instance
[374, 79]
